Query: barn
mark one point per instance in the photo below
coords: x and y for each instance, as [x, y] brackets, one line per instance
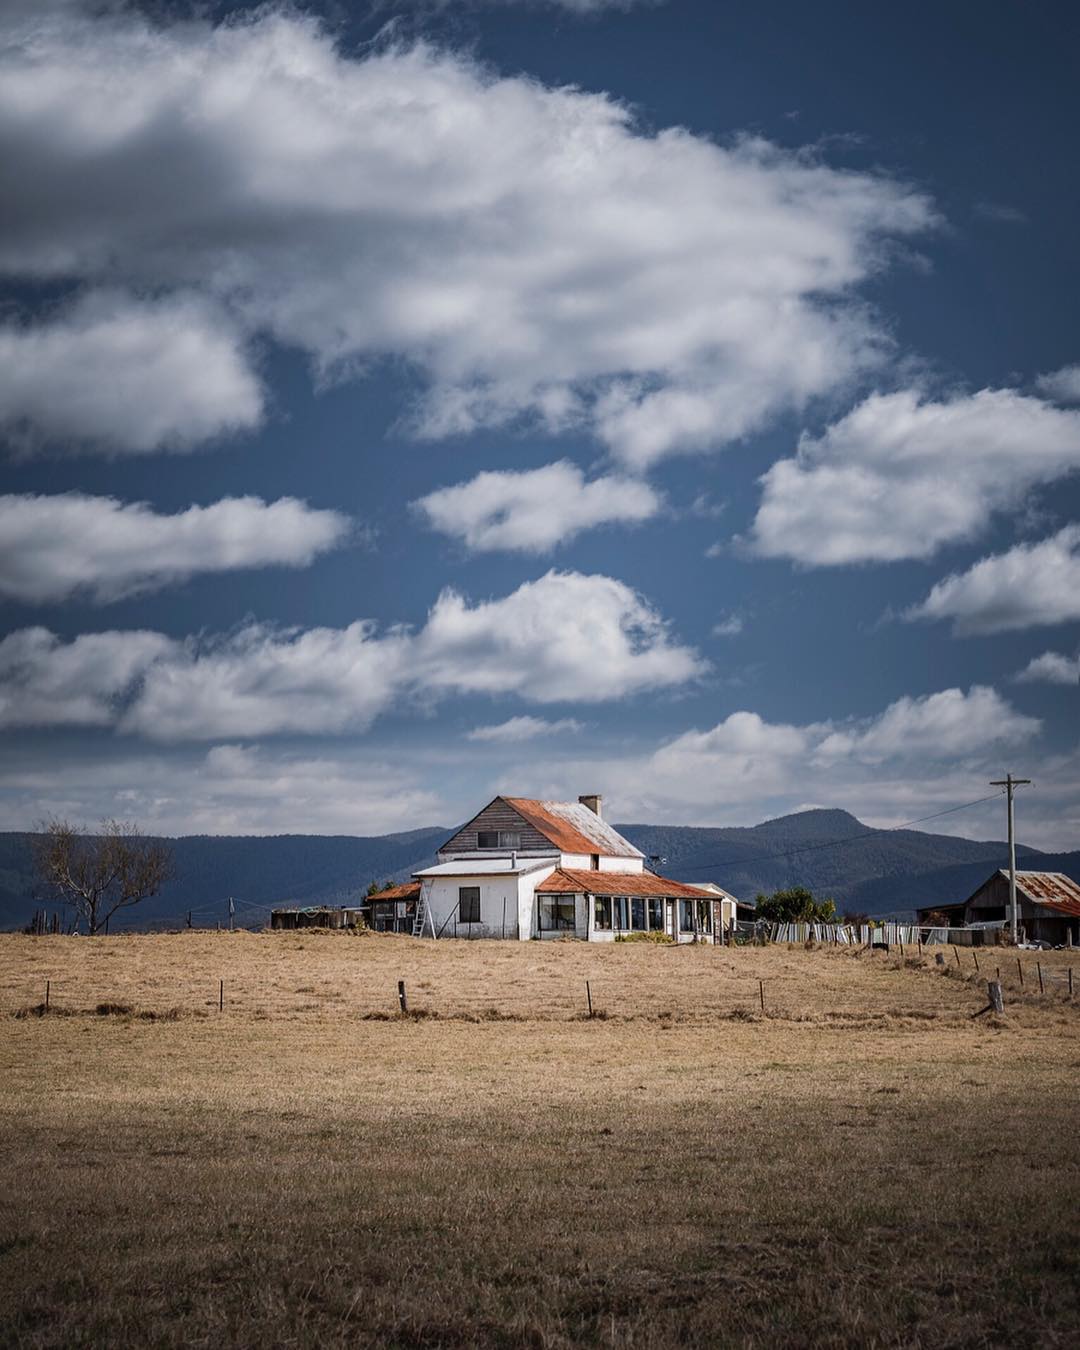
[1049, 905]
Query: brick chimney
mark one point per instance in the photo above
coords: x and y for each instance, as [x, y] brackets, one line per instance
[593, 802]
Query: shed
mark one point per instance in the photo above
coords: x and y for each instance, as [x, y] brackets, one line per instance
[393, 909]
[1049, 905]
[316, 916]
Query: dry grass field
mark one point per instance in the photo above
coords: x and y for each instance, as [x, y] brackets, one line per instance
[865, 1164]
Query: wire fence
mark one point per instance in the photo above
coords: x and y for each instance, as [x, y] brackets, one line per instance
[722, 985]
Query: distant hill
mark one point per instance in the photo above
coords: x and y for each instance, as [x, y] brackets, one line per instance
[259, 871]
[833, 853]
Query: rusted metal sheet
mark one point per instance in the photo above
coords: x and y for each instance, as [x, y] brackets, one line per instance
[570, 881]
[1054, 890]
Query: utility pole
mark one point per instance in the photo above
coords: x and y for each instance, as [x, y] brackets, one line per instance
[1009, 783]
[232, 909]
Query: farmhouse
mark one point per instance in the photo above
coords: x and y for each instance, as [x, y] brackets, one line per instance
[526, 869]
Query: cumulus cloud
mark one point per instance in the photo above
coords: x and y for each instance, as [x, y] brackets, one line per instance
[534, 510]
[1029, 586]
[531, 251]
[919, 755]
[563, 637]
[526, 728]
[1051, 668]
[228, 789]
[900, 476]
[45, 681]
[1061, 385]
[125, 376]
[54, 547]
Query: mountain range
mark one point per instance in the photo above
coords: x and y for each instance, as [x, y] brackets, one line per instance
[865, 870]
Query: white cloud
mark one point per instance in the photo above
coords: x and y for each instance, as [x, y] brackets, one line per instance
[731, 626]
[564, 637]
[900, 476]
[525, 728]
[125, 376]
[55, 547]
[229, 789]
[532, 251]
[918, 756]
[1051, 668]
[1029, 586]
[534, 510]
[936, 726]
[47, 682]
[1061, 385]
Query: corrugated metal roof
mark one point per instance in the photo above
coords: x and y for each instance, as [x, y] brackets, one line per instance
[485, 867]
[573, 827]
[1054, 890]
[409, 891]
[572, 881]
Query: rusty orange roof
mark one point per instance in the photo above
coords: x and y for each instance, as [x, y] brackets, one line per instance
[573, 881]
[573, 827]
[409, 891]
[1053, 889]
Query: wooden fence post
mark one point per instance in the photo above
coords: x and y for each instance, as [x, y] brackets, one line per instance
[588, 995]
[1020, 972]
[1070, 981]
[975, 957]
[221, 996]
[48, 990]
[1042, 987]
[997, 1001]
[761, 993]
[956, 953]
[402, 1000]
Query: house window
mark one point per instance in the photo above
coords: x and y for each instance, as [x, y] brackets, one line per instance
[622, 912]
[637, 914]
[705, 915]
[656, 916]
[686, 916]
[595, 861]
[502, 839]
[602, 913]
[556, 914]
[468, 904]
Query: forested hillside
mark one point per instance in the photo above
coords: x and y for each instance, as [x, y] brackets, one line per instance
[831, 852]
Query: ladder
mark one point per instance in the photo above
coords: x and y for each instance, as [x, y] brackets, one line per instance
[423, 917]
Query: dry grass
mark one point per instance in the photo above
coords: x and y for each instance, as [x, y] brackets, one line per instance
[867, 1167]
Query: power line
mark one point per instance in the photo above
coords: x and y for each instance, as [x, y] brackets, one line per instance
[834, 843]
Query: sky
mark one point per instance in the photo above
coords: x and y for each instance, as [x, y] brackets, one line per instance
[408, 401]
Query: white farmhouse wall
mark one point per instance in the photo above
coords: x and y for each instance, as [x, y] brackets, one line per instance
[506, 904]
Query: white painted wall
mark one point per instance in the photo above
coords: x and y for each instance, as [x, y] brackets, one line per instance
[518, 892]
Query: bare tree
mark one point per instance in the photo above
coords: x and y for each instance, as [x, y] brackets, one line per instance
[97, 874]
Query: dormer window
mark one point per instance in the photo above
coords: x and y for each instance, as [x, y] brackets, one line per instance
[500, 839]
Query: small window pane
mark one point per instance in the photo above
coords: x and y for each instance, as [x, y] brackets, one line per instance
[487, 839]
[468, 904]
[656, 916]
[602, 913]
[686, 917]
[637, 914]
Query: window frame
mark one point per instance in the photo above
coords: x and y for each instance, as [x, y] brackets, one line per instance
[509, 840]
[473, 898]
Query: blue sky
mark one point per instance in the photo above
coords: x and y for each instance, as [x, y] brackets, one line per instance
[407, 402]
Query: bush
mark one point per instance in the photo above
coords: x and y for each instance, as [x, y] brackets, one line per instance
[645, 937]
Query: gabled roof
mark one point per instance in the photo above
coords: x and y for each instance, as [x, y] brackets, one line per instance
[1049, 890]
[573, 827]
[574, 881]
[1054, 890]
[409, 891]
